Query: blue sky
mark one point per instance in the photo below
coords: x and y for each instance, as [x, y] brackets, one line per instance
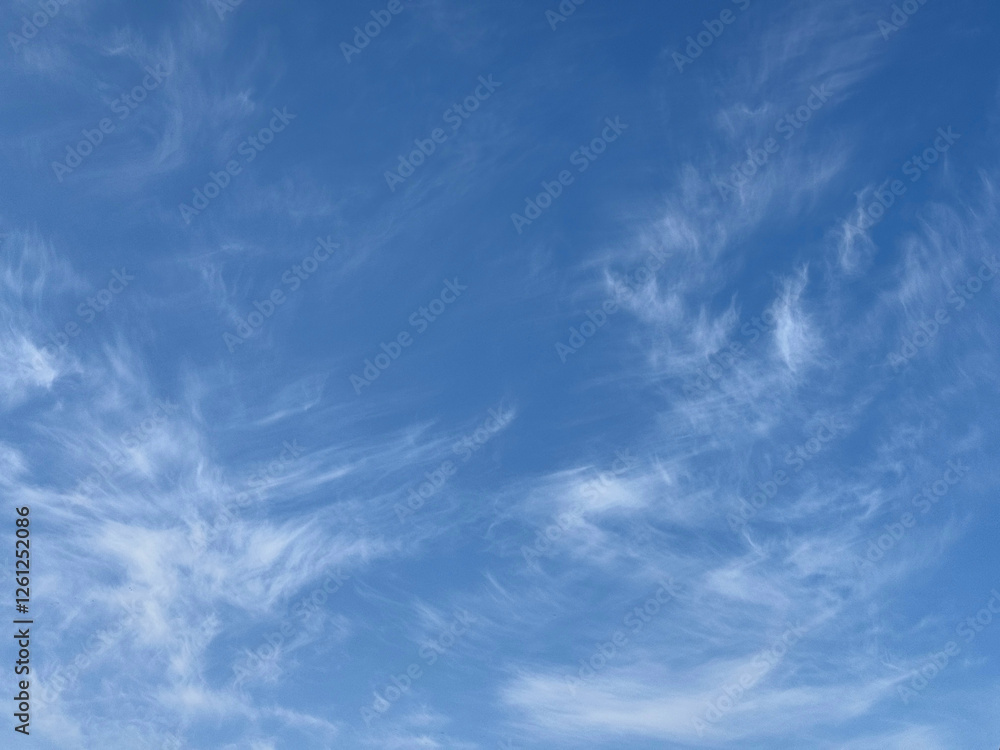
[508, 378]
